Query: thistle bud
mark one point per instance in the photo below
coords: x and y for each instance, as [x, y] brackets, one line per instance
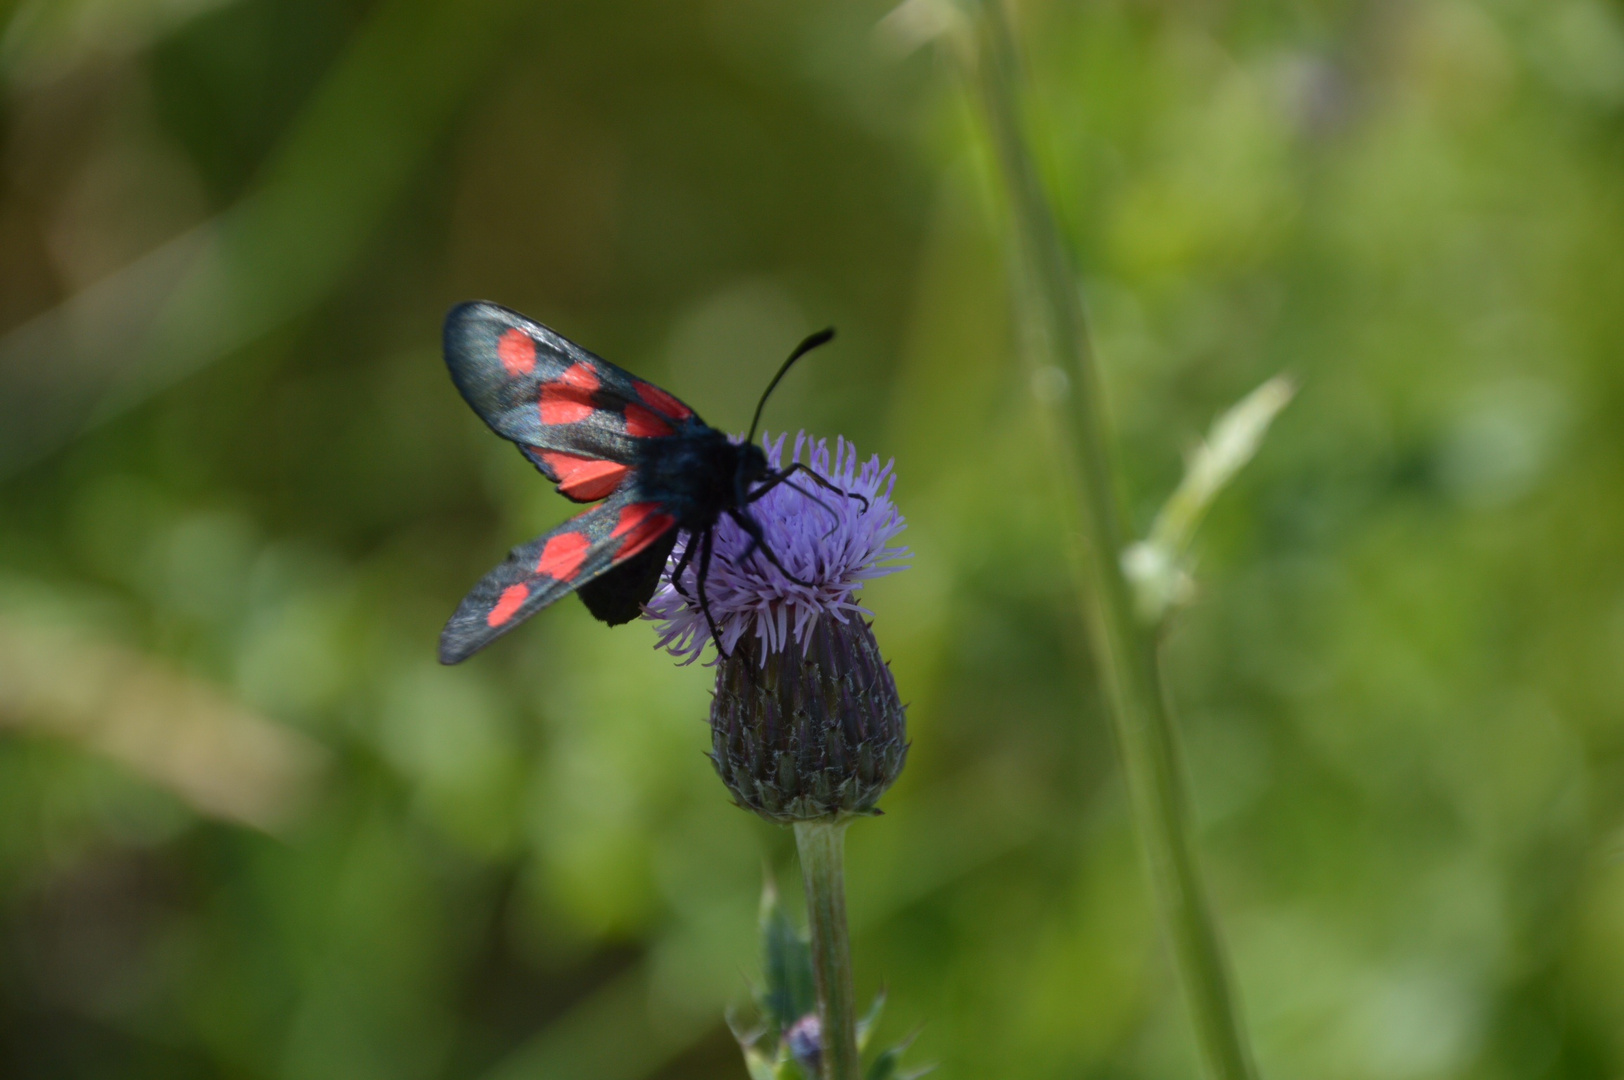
[805, 1042]
[814, 730]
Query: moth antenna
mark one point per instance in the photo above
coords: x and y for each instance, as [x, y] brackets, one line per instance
[820, 338]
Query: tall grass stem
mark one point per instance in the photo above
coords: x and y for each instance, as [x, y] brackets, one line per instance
[1125, 648]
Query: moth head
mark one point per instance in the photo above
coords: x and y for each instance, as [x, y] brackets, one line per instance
[752, 464]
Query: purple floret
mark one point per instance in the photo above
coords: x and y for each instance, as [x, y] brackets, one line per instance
[835, 547]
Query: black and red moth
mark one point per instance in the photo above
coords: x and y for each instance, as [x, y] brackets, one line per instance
[599, 433]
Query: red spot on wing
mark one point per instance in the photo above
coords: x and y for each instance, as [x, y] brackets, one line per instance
[568, 398]
[584, 478]
[513, 598]
[641, 524]
[643, 424]
[663, 402]
[517, 351]
[561, 559]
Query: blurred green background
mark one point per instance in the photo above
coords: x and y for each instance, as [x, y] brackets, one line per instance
[250, 829]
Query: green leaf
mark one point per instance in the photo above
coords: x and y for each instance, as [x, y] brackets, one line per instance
[1156, 566]
[746, 1035]
[865, 1025]
[749, 1039]
[886, 1065]
[786, 960]
[794, 1070]
[761, 1067]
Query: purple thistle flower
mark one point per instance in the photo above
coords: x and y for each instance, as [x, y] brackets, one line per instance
[835, 546]
[805, 719]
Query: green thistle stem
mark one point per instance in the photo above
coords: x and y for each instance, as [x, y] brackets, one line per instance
[1125, 649]
[821, 844]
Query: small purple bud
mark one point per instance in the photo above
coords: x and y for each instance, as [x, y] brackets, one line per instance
[805, 1040]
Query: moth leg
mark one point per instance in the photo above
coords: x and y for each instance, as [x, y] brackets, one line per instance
[683, 560]
[801, 466]
[827, 509]
[783, 478]
[772, 481]
[759, 542]
[752, 529]
[827, 486]
[704, 600]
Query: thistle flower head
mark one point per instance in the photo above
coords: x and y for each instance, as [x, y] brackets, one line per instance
[832, 542]
[805, 719]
